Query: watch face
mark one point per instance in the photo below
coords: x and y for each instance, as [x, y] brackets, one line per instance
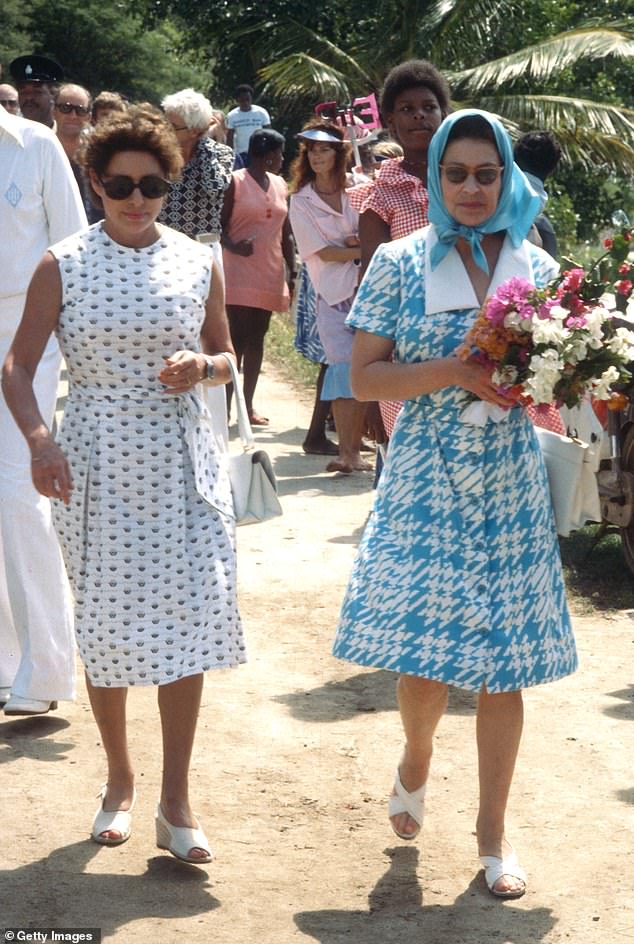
[211, 370]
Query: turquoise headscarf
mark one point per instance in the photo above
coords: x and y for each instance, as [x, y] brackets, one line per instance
[517, 207]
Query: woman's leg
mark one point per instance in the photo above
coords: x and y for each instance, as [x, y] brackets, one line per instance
[316, 440]
[109, 710]
[259, 321]
[237, 327]
[422, 703]
[248, 329]
[350, 422]
[499, 730]
[179, 703]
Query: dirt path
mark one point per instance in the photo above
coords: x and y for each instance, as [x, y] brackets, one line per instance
[293, 761]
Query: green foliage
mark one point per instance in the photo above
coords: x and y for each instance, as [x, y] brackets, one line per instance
[562, 215]
[104, 45]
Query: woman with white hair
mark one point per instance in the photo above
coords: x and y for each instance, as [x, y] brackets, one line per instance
[194, 203]
[193, 206]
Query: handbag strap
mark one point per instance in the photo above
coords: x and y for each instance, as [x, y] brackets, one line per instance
[244, 426]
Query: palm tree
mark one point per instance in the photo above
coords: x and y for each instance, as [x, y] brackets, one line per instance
[520, 86]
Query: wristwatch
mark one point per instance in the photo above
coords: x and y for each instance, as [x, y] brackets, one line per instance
[210, 371]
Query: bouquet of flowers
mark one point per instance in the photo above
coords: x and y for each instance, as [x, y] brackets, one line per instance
[558, 344]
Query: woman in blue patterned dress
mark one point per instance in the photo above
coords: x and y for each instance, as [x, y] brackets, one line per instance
[458, 578]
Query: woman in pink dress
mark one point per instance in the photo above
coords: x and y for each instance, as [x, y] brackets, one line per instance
[256, 242]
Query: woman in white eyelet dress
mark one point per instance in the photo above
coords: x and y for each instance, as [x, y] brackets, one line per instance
[144, 516]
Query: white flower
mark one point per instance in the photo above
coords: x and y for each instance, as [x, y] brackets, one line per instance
[558, 313]
[594, 319]
[545, 371]
[601, 387]
[575, 350]
[608, 300]
[622, 344]
[550, 332]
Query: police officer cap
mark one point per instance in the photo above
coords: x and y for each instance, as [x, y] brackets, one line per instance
[35, 69]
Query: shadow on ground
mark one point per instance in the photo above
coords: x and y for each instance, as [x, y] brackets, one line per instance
[372, 691]
[397, 912]
[33, 738]
[51, 888]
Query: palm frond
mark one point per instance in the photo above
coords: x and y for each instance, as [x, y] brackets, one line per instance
[591, 133]
[544, 60]
[280, 40]
[452, 27]
[302, 76]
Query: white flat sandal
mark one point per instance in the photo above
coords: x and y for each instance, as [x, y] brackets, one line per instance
[402, 801]
[495, 867]
[107, 820]
[180, 840]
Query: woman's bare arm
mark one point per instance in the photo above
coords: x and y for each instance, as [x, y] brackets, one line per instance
[374, 376]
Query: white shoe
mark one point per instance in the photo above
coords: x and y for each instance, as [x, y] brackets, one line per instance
[180, 840]
[105, 821]
[402, 801]
[17, 705]
[495, 867]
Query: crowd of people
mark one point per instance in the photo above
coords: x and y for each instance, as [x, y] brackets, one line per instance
[194, 243]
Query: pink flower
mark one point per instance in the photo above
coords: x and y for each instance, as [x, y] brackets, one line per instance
[572, 280]
[625, 268]
[624, 287]
[608, 243]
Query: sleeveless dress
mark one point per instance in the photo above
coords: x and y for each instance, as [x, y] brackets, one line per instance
[148, 538]
[258, 280]
[458, 576]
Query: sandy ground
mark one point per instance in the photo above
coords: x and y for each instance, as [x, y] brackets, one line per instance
[293, 761]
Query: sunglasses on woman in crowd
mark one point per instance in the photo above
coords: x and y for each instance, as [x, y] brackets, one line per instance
[121, 186]
[485, 176]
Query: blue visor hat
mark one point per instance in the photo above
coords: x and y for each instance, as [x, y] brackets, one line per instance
[316, 134]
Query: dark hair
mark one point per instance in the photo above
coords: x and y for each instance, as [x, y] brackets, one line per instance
[537, 152]
[265, 140]
[301, 172]
[473, 128]
[243, 88]
[412, 74]
[140, 128]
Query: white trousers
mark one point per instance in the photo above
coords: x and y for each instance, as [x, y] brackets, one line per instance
[37, 648]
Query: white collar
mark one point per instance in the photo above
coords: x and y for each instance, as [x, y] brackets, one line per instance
[449, 288]
[12, 125]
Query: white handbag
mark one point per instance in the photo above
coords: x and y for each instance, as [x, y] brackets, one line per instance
[253, 483]
[571, 466]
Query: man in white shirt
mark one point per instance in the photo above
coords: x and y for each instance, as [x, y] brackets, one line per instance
[40, 204]
[244, 120]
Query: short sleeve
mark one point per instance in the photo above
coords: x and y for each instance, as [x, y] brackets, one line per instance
[375, 200]
[308, 237]
[378, 302]
[545, 268]
[229, 119]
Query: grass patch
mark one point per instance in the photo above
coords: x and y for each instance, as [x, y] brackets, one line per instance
[597, 577]
[280, 350]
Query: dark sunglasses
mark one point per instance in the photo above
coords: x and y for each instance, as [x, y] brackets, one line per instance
[121, 187]
[485, 176]
[66, 108]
